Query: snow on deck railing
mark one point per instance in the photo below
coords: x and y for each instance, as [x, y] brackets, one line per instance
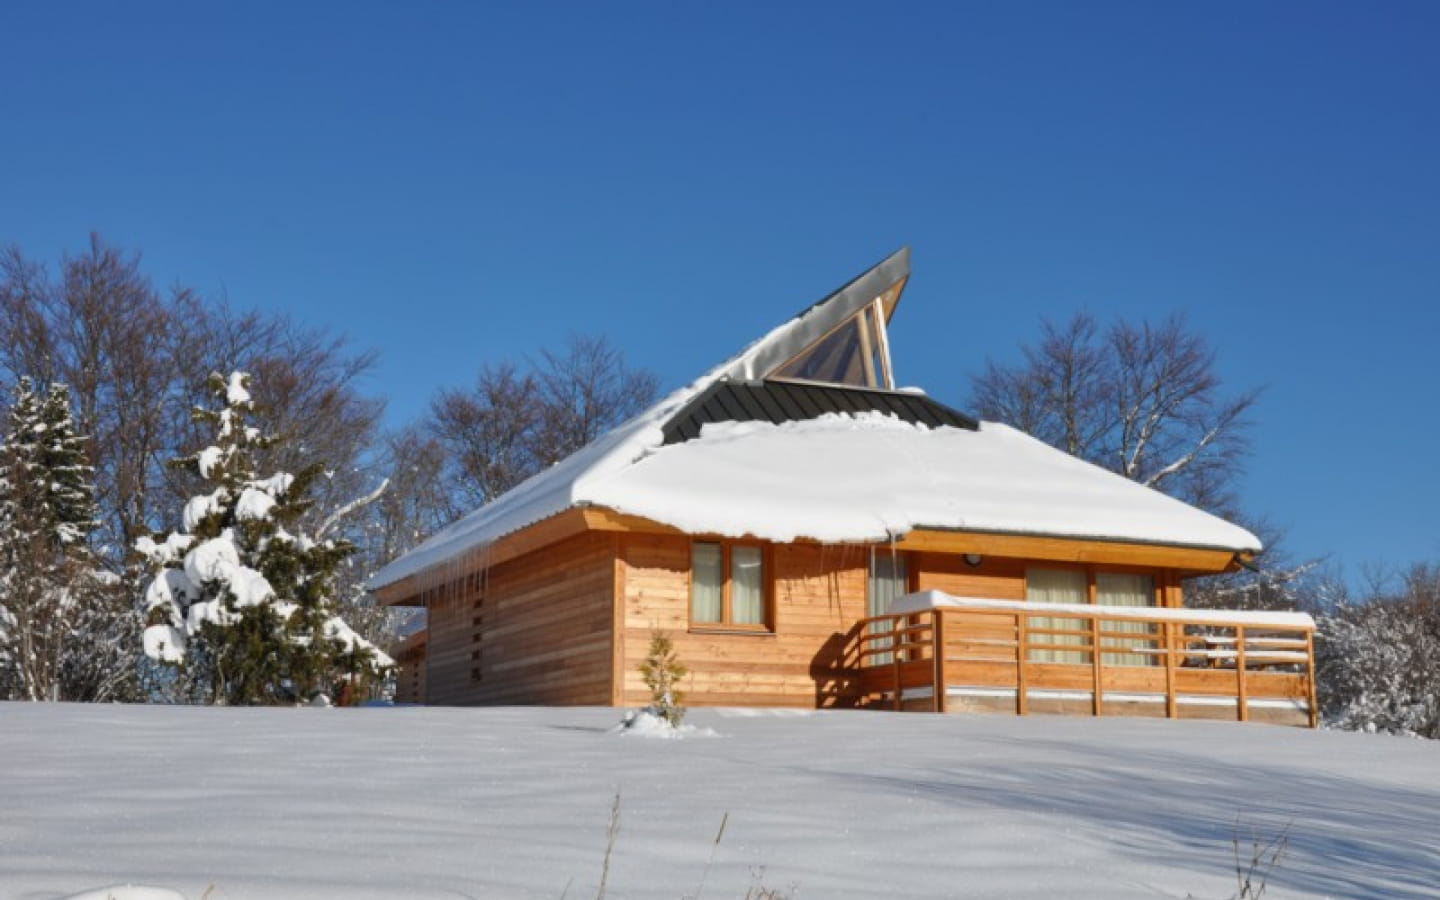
[921, 601]
[931, 638]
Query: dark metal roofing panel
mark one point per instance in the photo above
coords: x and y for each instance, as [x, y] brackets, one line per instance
[792, 401]
[769, 405]
[807, 401]
[789, 409]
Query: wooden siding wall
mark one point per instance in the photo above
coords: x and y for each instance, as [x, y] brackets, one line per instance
[819, 595]
[996, 578]
[410, 676]
[537, 629]
[533, 630]
[1003, 578]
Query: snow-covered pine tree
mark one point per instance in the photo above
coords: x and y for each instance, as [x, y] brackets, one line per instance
[70, 479]
[21, 603]
[244, 603]
[53, 598]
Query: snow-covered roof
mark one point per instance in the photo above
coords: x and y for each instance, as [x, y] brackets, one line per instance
[836, 478]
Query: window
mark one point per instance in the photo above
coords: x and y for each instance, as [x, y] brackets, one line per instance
[855, 353]
[1056, 586]
[1127, 589]
[1073, 586]
[889, 581]
[728, 586]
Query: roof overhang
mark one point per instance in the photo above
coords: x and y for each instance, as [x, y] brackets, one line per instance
[1189, 560]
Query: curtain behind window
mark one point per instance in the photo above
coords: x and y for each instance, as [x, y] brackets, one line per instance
[889, 581]
[707, 575]
[1120, 589]
[747, 585]
[1057, 586]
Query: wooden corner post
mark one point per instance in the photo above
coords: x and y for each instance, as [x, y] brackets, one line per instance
[937, 652]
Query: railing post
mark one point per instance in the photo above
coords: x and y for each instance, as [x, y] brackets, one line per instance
[937, 643]
[1242, 703]
[1096, 664]
[1172, 706]
[1022, 664]
[1310, 674]
[895, 656]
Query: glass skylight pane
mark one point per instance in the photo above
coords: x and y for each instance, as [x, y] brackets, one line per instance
[836, 359]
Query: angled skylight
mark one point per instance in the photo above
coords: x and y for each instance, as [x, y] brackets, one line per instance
[855, 353]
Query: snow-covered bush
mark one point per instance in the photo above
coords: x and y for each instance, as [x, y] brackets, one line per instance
[244, 602]
[1379, 661]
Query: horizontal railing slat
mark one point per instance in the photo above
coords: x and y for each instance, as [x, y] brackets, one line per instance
[1241, 661]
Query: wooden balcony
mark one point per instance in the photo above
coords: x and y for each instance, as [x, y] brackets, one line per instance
[950, 654]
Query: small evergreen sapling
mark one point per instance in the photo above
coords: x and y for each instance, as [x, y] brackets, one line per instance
[662, 671]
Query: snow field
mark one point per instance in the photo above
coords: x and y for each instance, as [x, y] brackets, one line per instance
[514, 803]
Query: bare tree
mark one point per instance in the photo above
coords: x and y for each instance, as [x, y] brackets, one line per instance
[1278, 581]
[101, 329]
[586, 391]
[137, 360]
[1144, 401]
[308, 390]
[513, 423]
[490, 432]
[414, 503]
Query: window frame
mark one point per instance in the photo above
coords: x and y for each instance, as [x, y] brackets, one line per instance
[727, 624]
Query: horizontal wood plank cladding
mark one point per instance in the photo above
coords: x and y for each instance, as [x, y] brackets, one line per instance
[410, 680]
[543, 634]
[1076, 550]
[995, 578]
[818, 595]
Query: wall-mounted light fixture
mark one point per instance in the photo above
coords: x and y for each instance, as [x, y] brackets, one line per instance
[973, 559]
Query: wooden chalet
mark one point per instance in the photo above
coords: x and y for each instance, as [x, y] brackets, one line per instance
[810, 536]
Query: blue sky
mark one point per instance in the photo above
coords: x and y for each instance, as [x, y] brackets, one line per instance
[452, 183]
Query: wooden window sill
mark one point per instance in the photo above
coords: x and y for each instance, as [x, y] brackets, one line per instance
[731, 629]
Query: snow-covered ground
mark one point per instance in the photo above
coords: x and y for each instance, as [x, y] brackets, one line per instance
[515, 803]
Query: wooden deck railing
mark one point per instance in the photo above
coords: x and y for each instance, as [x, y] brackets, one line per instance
[1032, 657]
